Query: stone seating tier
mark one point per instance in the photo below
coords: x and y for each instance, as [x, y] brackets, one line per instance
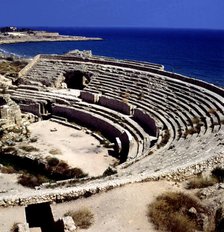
[138, 101]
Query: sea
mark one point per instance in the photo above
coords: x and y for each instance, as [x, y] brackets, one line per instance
[191, 52]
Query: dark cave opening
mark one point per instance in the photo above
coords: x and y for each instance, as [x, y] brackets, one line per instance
[77, 79]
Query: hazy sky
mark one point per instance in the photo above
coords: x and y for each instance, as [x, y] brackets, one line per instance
[114, 13]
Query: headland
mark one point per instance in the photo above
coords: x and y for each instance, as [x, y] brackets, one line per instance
[10, 35]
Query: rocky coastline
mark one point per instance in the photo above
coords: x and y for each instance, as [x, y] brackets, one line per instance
[27, 36]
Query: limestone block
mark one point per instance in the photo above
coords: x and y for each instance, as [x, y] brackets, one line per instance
[33, 108]
[69, 225]
[23, 227]
[89, 97]
[5, 82]
[115, 104]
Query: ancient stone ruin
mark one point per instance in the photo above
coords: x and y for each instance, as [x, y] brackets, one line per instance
[10, 114]
[159, 124]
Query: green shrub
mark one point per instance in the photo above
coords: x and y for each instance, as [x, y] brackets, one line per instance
[83, 218]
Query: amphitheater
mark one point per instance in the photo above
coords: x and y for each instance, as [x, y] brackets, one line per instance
[160, 125]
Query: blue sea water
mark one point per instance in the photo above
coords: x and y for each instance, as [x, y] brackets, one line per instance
[195, 53]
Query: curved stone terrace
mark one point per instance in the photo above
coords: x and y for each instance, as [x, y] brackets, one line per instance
[159, 124]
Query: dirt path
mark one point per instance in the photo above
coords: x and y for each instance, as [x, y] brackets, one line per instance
[122, 209]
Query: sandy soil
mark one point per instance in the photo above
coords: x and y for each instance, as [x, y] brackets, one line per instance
[75, 147]
[123, 209]
[11, 215]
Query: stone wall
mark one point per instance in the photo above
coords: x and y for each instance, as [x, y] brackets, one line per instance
[29, 66]
[101, 185]
[33, 108]
[95, 123]
[146, 122]
[116, 105]
[89, 97]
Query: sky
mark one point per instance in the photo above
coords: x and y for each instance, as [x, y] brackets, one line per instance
[204, 14]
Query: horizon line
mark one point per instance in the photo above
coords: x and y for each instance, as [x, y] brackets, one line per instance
[117, 27]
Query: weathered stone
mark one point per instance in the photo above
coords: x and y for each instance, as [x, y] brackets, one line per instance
[23, 227]
[110, 171]
[69, 225]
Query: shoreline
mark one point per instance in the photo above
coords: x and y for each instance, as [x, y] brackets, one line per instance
[59, 39]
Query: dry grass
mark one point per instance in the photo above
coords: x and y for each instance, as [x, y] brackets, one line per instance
[28, 148]
[11, 68]
[29, 180]
[61, 170]
[83, 218]
[212, 111]
[52, 161]
[192, 131]
[165, 139]
[33, 139]
[55, 151]
[9, 150]
[201, 182]
[7, 169]
[195, 120]
[170, 212]
[14, 228]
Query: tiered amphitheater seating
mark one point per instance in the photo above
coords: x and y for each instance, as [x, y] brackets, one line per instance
[163, 125]
[189, 114]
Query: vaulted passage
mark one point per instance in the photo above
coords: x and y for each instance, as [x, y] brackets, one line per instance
[77, 79]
